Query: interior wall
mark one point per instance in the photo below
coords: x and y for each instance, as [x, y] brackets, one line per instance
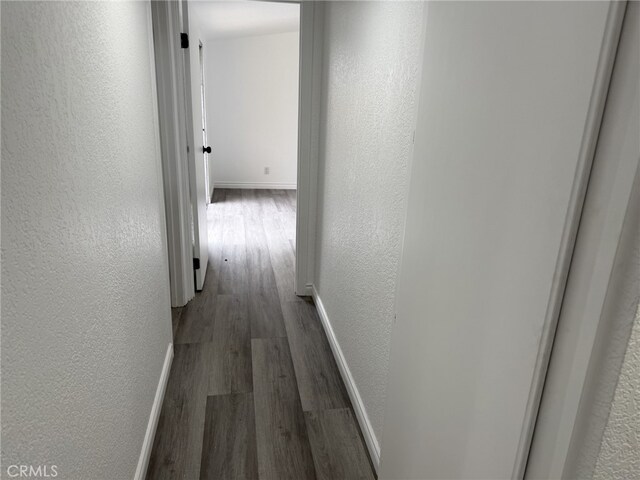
[85, 289]
[252, 109]
[371, 62]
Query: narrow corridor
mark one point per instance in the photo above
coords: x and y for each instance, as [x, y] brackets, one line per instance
[254, 391]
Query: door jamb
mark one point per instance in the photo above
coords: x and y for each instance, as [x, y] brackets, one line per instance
[310, 84]
[568, 242]
[610, 208]
[166, 34]
[199, 226]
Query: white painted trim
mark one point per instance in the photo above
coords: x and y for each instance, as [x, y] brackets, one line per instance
[585, 321]
[358, 406]
[195, 157]
[158, 143]
[567, 246]
[147, 444]
[256, 185]
[310, 83]
[173, 150]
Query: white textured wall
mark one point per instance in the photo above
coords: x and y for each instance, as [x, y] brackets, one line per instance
[619, 456]
[252, 108]
[85, 295]
[371, 62]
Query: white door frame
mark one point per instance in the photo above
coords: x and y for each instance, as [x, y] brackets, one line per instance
[167, 19]
[599, 280]
[195, 153]
[310, 84]
[607, 51]
[168, 62]
[576, 206]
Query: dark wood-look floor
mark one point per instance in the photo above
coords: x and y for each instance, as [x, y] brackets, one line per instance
[254, 391]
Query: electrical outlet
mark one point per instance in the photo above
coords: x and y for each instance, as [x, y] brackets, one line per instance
[266, 170]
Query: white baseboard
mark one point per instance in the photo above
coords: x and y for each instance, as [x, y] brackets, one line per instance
[274, 186]
[147, 444]
[347, 378]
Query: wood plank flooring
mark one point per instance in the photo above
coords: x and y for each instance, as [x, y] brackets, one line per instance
[254, 391]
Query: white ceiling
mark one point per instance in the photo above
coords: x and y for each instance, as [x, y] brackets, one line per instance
[243, 18]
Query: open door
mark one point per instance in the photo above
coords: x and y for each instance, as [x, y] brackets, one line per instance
[203, 108]
[196, 151]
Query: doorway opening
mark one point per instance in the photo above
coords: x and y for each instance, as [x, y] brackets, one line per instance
[250, 69]
[237, 145]
[249, 56]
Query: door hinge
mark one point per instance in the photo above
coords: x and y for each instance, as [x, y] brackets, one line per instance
[184, 40]
[196, 264]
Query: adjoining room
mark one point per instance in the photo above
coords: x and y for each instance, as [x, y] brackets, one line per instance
[250, 53]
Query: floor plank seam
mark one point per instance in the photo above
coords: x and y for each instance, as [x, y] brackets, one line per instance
[254, 391]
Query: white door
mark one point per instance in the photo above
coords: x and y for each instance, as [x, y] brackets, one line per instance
[203, 109]
[197, 177]
[494, 195]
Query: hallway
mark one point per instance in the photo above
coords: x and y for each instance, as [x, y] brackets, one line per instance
[254, 391]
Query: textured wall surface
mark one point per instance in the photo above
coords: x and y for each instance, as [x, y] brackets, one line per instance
[371, 63]
[618, 458]
[252, 108]
[85, 295]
